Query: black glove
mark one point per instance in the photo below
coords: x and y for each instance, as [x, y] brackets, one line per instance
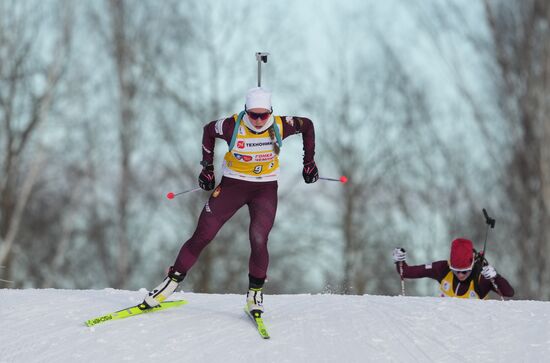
[207, 180]
[310, 172]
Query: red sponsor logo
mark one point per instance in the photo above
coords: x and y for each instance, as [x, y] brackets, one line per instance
[240, 144]
[243, 157]
[264, 157]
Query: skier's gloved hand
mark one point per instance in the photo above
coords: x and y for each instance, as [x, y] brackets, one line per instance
[310, 172]
[399, 254]
[207, 180]
[489, 272]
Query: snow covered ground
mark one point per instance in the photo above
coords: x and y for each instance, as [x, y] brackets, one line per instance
[47, 326]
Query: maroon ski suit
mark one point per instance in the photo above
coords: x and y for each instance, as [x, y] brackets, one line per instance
[439, 269]
[232, 194]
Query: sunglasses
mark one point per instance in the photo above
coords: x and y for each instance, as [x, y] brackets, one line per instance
[461, 272]
[262, 116]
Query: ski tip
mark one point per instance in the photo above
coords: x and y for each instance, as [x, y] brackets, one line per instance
[263, 331]
[174, 302]
[264, 335]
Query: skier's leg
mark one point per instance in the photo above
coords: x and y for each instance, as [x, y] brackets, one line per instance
[262, 208]
[222, 204]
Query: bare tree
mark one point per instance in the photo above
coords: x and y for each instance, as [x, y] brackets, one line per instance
[510, 108]
[122, 51]
[372, 113]
[520, 59]
[127, 35]
[29, 83]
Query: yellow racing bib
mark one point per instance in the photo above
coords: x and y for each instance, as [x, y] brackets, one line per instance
[446, 288]
[252, 157]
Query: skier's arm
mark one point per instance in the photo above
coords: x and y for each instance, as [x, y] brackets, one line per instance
[295, 125]
[431, 270]
[503, 285]
[221, 129]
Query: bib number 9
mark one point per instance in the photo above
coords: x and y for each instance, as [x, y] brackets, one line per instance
[258, 169]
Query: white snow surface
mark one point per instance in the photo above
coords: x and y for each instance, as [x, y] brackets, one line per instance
[47, 325]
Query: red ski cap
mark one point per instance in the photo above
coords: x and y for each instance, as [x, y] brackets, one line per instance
[462, 254]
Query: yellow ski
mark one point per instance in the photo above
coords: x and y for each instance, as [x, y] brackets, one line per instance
[133, 311]
[258, 321]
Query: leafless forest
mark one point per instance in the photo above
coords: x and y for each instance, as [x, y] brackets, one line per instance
[434, 110]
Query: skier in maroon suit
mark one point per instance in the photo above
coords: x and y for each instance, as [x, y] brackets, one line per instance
[461, 276]
[250, 173]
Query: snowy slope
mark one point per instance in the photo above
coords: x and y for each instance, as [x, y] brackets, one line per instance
[47, 326]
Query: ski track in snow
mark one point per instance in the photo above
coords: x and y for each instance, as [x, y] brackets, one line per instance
[48, 326]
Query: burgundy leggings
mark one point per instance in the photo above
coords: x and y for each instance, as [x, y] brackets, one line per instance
[261, 198]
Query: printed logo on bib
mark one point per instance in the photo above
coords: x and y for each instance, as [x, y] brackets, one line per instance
[242, 157]
[256, 144]
[264, 157]
[240, 144]
[259, 145]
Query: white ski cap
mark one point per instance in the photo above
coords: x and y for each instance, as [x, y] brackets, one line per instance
[258, 97]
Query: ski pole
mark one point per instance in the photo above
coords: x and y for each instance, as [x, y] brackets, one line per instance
[172, 195]
[490, 223]
[261, 57]
[343, 179]
[402, 280]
